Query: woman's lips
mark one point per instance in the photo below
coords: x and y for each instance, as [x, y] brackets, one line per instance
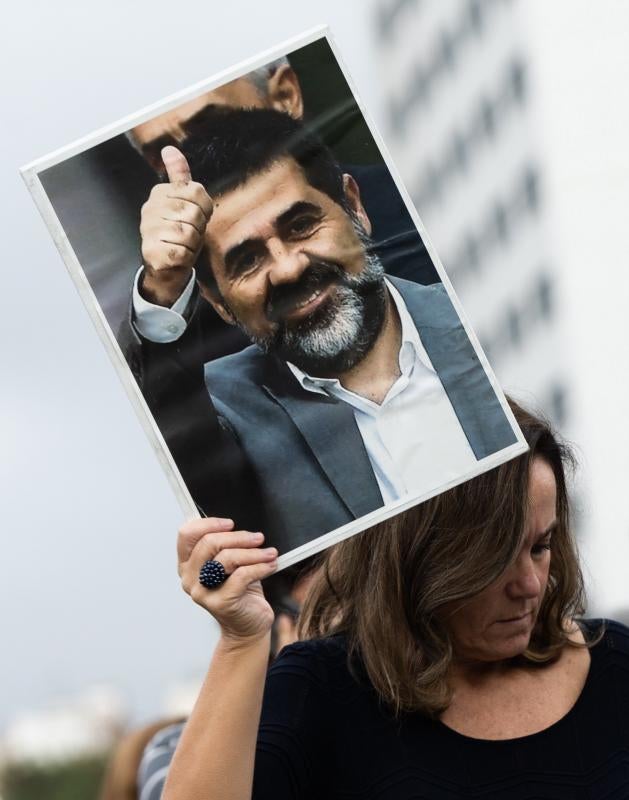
[514, 620]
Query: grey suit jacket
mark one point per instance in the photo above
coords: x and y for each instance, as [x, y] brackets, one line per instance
[310, 466]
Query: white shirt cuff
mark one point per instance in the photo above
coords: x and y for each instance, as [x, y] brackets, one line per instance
[158, 323]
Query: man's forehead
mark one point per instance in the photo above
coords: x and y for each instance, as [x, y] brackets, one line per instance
[262, 199]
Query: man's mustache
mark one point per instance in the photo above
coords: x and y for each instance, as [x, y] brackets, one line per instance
[283, 299]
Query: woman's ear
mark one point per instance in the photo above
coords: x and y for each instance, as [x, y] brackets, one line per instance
[285, 92]
[352, 196]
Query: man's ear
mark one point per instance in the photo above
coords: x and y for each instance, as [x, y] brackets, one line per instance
[352, 196]
[215, 300]
[285, 92]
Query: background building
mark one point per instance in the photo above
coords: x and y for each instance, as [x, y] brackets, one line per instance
[502, 119]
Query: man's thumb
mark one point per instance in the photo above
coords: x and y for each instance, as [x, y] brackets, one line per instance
[176, 165]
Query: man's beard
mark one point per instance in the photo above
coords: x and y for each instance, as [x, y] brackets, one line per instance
[338, 334]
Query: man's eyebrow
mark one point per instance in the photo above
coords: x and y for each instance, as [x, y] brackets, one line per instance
[300, 207]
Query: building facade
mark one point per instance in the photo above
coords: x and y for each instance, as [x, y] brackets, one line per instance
[503, 119]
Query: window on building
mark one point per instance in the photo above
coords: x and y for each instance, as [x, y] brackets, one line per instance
[514, 327]
[422, 76]
[558, 404]
[471, 254]
[488, 117]
[517, 75]
[531, 188]
[446, 53]
[501, 222]
[459, 150]
[474, 14]
[545, 299]
[397, 116]
[389, 14]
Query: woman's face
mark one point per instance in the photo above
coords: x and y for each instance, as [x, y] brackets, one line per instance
[497, 623]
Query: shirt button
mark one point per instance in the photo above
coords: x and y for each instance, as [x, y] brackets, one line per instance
[172, 329]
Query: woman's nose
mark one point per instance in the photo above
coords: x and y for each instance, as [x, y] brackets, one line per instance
[524, 582]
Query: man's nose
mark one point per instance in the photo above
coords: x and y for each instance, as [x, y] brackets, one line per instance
[287, 262]
[524, 582]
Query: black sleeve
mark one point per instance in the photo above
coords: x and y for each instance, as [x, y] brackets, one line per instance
[205, 450]
[292, 762]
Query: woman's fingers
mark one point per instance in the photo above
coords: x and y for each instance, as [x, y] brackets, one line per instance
[239, 557]
[238, 603]
[212, 539]
[243, 577]
[232, 558]
[193, 531]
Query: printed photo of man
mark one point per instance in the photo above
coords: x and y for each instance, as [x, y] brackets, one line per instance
[183, 335]
[359, 388]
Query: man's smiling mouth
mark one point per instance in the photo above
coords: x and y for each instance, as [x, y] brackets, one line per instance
[295, 302]
[307, 306]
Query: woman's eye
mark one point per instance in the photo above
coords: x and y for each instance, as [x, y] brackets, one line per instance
[540, 548]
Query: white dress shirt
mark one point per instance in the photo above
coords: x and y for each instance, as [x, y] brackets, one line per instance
[159, 323]
[413, 439]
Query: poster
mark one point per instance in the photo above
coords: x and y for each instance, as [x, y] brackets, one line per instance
[273, 304]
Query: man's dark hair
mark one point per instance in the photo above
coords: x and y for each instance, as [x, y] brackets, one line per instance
[236, 144]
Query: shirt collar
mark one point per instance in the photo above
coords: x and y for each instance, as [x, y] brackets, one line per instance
[411, 350]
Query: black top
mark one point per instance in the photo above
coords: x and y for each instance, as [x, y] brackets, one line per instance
[323, 734]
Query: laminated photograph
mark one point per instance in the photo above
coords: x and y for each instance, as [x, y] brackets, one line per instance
[273, 305]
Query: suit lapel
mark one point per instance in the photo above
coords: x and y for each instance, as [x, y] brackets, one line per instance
[456, 363]
[330, 430]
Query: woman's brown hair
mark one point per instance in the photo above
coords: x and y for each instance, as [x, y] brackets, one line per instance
[385, 588]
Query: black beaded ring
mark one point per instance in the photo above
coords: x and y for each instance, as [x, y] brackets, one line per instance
[212, 574]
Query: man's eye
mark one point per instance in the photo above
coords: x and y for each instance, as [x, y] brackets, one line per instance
[248, 261]
[302, 225]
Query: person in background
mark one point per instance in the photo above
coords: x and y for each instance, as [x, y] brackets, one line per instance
[275, 85]
[138, 764]
[120, 780]
[445, 655]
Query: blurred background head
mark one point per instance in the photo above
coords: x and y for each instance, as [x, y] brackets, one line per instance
[273, 86]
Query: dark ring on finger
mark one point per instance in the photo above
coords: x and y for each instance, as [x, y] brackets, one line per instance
[212, 574]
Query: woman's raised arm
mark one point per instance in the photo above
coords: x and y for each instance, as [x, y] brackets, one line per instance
[215, 755]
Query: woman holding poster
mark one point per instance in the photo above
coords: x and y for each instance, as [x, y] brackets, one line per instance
[448, 658]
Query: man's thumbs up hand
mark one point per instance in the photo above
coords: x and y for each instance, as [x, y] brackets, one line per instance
[176, 165]
[172, 226]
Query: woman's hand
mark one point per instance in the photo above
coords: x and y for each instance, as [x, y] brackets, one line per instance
[238, 604]
[217, 746]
